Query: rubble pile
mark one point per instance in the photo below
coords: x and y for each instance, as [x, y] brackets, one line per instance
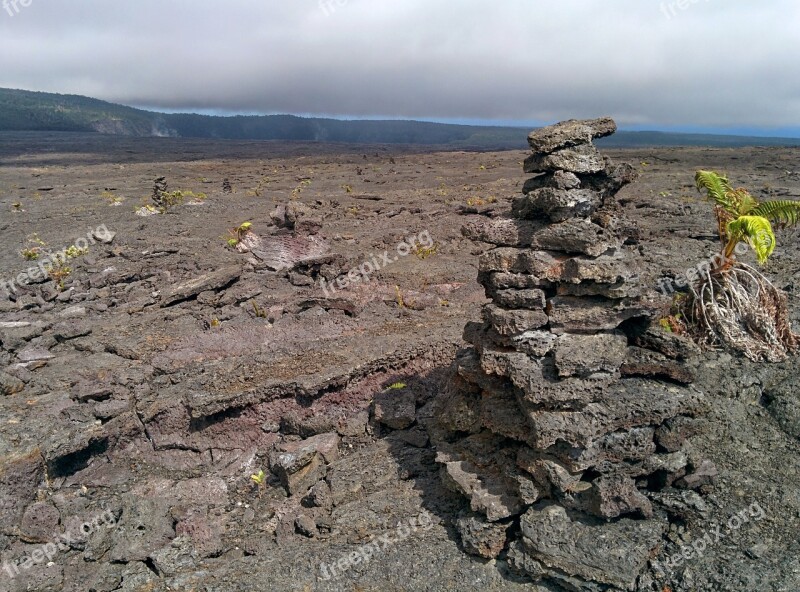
[570, 413]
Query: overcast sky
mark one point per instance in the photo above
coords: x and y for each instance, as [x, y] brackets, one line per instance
[703, 64]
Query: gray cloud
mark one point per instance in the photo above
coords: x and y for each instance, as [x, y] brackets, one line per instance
[712, 63]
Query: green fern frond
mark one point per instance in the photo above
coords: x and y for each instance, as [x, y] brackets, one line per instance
[757, 232]
[743, 201]
[782, 212]
[718, 189]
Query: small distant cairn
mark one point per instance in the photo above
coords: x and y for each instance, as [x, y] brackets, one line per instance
[159, 189]
[566, 424]
[226, 186]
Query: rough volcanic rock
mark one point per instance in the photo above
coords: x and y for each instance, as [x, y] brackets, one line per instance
[556, 205]
[610, 553]
[480, 537]
[573, 132]
[556, 180]
[581, 159]
[574, 414]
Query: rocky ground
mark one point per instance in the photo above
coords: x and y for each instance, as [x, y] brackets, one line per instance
[141, 390]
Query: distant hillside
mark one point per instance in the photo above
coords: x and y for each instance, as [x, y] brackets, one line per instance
[36, 111]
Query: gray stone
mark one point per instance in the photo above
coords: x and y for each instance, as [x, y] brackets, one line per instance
[543, 264]
[573, 132]
[643, 362]
[673, 433]
[480, 537]
[581, 159]
[305, 525]
[396, 409]
[571, 314]
[612, 496]
[577, 236]
[145, 527]
[300, 465]
[571, 236]
[584, 355]
[538, 383]
[34, 354]
[20, 476]
[533, 299]
[535, 343]
[10, 385]
[510, 323]
[487, 492]
[214, 281]
[547, 472]
[607, 269]
[40, 522]
[319, 496]
[670, 344]
[632, 403]
[611, 553]
[503, 232]
[556, 205]
[556, 180]
[502, 280]
[704, 474]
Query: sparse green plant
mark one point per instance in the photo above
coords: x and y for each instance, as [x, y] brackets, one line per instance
[299, 189]
[423, 252]
[399, 297]
[59, 273]
[73, 252]
[113, 200]
[733, 304]
[397, 386]
[347, 188]
[258, 311]
[259, 480]
[238, 234]
[31, 254]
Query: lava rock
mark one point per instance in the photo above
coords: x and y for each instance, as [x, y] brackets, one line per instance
[480, 537]
[610, 553]
[580, 159]
[573, 132]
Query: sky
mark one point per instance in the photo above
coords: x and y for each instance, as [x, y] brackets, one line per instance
[695, 65]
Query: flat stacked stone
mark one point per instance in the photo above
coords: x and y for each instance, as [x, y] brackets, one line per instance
[572, 405]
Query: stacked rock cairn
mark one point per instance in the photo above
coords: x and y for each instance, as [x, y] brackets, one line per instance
[159, 189]
[567, 422]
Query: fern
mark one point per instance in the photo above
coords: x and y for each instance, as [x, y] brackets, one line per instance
[718, 189]
[757, 232]
[782, 212]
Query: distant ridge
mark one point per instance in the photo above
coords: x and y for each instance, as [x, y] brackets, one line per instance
[22, 110]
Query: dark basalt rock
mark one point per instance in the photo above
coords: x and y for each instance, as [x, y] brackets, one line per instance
[572, 409]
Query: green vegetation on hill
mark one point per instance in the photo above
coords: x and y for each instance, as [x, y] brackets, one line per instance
[22, 110]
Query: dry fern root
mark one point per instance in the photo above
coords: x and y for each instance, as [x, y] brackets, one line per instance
[739, 308]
